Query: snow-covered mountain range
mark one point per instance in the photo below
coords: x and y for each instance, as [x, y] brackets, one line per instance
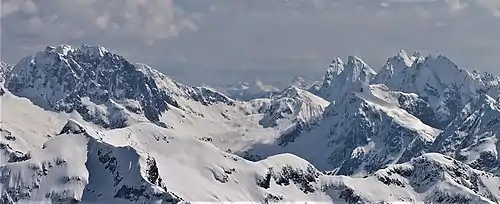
[247, 91]
[83, 124]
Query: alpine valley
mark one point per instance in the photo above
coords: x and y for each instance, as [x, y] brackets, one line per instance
[85, 125]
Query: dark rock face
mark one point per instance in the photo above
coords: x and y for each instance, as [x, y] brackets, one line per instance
[279, 109]
[291, 134]
[118, 164]
[477, 126]
[420, 109]
[207, 96]
[72, 127]
[440, 83]
[305, 179]
[100, 86]
[12, 155]
[364, 126]
[426, 171]
[60, 82]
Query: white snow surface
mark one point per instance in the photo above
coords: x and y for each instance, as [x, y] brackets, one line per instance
[364, 138]
[94, 166]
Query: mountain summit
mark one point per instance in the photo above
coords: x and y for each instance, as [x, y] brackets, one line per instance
[345, 78]
[103, 87]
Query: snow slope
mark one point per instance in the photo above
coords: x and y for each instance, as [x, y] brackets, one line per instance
[142, 163]
[474, 136]
[445, 87]
[103, 87]
[24, 126]
[358, 135]
[108, 91]
[86, 125]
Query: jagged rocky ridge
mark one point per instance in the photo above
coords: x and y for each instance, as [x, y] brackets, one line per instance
[103, 87]
[437, 80]
[474, 136]
[367, 129]
[360, 134]
[363, 131]
[341, 79]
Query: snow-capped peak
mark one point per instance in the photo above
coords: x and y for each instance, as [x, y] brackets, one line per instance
[394, 64]
[64, 49]
[403, 56]
[357, 70]
[354, 74]
[294, 104]
[336, 67]
[416, 56]
[93, 50]
[102, 86]
[72, 127]
[163, 135]
[445, 86]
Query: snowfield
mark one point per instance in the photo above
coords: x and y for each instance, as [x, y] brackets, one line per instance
[84, 125]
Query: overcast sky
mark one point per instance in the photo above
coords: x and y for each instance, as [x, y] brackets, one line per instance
[215, 41]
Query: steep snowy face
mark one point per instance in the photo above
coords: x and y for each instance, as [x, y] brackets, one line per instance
[144, 163]
[436, 178]
[101, 86]
[439, 81]
[75, 167]
[355, 73]
[292, 111]
[293, 104]
[410, 102]
[474, 136]
[359, 135]
[395, 63]
[367, 132]
[24, 127]
[335, 68]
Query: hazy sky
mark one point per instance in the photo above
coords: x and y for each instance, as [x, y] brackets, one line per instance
[215, 41]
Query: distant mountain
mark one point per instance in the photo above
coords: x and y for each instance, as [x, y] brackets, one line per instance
[302, 83]
[246, 91]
